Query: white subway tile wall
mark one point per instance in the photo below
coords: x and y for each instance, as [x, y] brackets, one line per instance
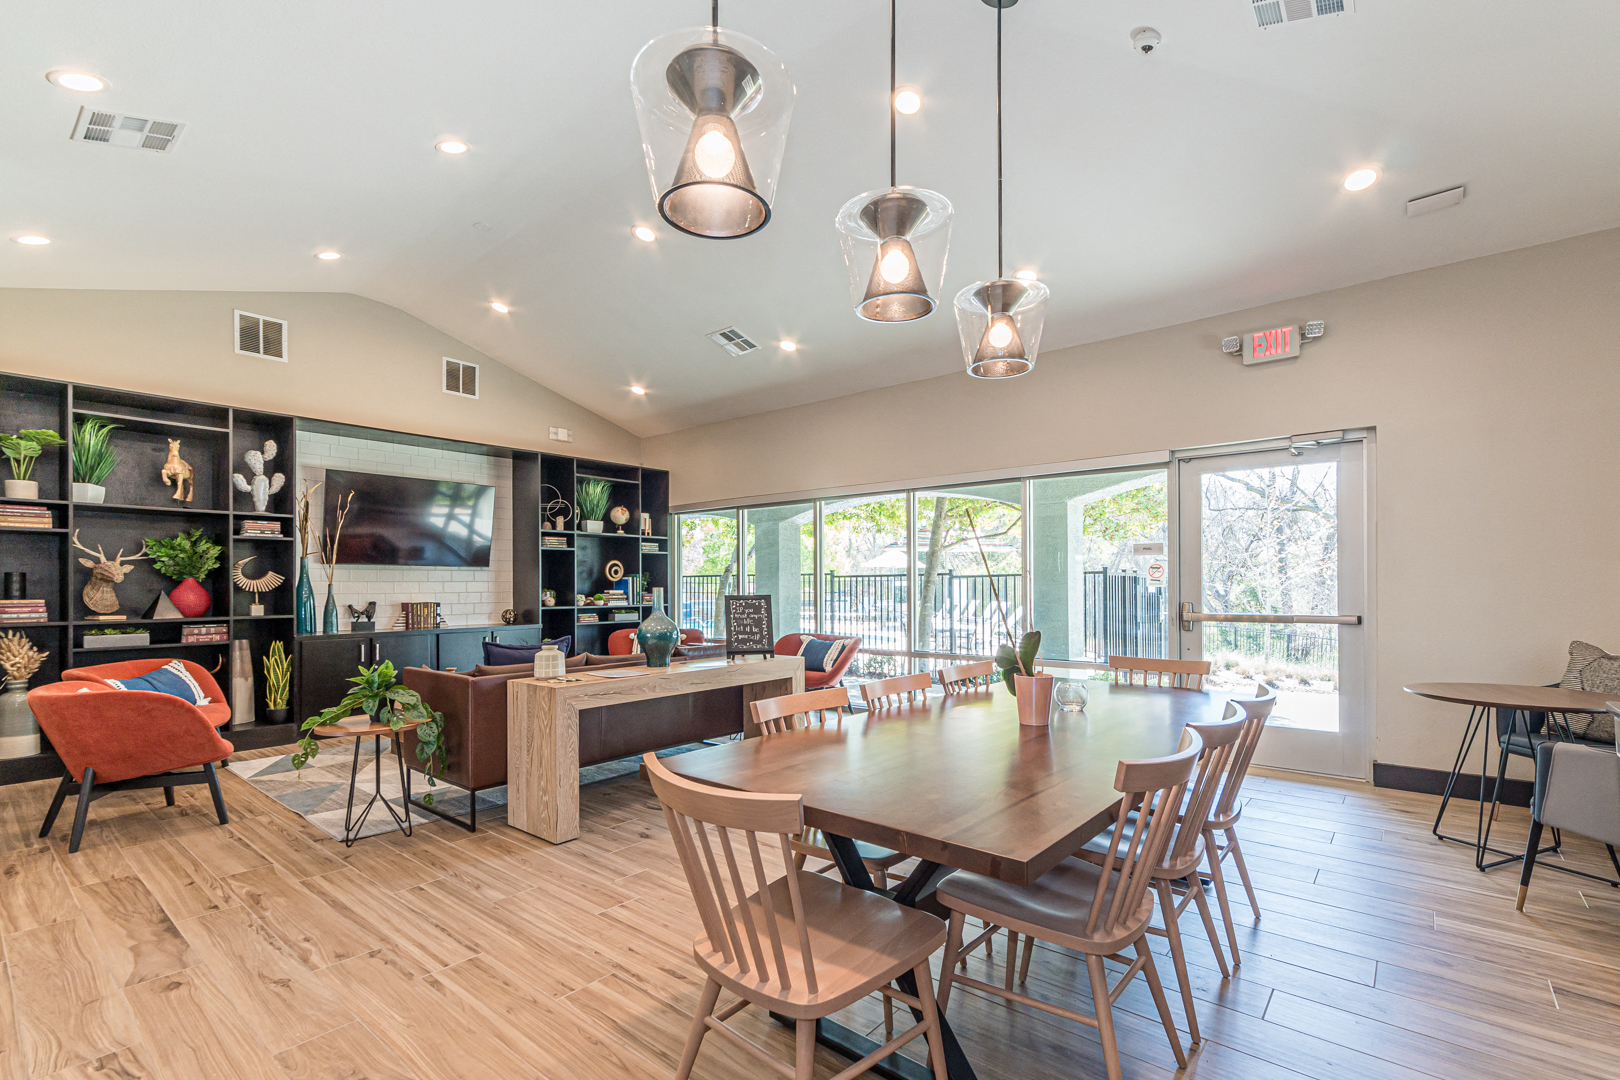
[468, 597]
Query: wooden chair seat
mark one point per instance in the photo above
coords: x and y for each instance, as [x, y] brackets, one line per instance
[860, 940]
[1053, 909]
[1096, 850]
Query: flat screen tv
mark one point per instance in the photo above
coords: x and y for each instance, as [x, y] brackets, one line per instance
[406, 521]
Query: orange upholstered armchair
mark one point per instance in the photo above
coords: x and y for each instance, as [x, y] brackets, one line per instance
[621, 642]
[111, 740]
[218, 710]
[789, 644]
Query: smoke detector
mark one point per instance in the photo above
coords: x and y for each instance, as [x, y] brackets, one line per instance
[734, 341]
[1269, 13]
[117, 129]
[1144, 39]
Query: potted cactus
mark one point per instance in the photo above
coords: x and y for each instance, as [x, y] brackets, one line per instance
[93, 458]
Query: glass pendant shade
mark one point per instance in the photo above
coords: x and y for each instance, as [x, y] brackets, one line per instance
[1000, 326]
[714, 108]
[895, 241]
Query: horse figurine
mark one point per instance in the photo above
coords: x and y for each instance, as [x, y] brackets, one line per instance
[179, 473]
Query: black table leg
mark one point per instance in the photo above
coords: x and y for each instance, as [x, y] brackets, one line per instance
[351, 824]
[1478, 717]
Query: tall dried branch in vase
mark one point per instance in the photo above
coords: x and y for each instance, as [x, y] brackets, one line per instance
[19, 656]
[305, 493]
[330, 539]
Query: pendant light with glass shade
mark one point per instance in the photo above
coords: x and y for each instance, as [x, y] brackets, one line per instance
[713, 106]
[1000, 321]
[895, 239]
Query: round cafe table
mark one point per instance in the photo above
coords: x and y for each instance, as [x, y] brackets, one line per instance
[1481, 699]
[357, 728]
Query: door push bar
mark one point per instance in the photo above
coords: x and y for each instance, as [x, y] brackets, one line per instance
[1189, 616]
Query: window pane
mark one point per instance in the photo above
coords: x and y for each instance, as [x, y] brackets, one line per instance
[1098, 587]
[864, 591]
[708, 568]
[965, 584]
[780, 546]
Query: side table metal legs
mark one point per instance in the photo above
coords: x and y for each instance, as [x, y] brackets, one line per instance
[1478, 717]
[351, 824]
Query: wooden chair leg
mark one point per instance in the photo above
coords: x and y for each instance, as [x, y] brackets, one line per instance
[1029, 952]
[56, 803]
[1529, 863]
[1220, 895]
[87, 783]
[930, 1011]
[1105, 1014]
[799, 860]
[1196, 884]
[953, 945]
[1152, 973]
[700, 1028]
[1172, 930]
[1012, 956]
[1243, 871]
[888, 1017]
[804, 1038]
[219, 798]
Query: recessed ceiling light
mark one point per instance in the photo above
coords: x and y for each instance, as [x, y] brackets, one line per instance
[451, 146]
[907, 100]
[788, 346]
[77, 80]
[638, 390]
[1361, 180]
[643, 233]
[31, 241]
[500, 307]
[1027, 275]
[328, 256]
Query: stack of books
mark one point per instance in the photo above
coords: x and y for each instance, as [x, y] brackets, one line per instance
[261, 528]
[587, 618]
[22, 611]
[615, 596]
[422, 615]
[554, 541]
[25, 516]
[204, 633]
[652, 546]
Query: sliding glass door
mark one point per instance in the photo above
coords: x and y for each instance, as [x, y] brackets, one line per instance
[708, 562]
[779, 549]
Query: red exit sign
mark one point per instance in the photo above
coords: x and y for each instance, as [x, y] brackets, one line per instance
[1260, 346]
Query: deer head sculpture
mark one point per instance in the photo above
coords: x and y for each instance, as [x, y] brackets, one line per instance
[104, 574]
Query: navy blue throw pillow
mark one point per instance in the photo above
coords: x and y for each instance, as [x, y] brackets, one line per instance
[172, 679]
[495, 653]
[815, 653]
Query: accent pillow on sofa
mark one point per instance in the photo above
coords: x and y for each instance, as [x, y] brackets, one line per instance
[821, 655]
[172, 679]
[1590, 668]
[496, 654]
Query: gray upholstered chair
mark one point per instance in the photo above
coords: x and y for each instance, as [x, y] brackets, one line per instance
[1577, 788]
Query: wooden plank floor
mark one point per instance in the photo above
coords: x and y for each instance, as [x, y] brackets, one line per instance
[170, 947]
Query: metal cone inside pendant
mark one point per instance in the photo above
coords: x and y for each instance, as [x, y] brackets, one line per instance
[895, 242]
[1000, 326]
[713, 193]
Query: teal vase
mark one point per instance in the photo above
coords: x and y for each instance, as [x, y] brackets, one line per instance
[306, 598]
[658, 635]
[329, 615]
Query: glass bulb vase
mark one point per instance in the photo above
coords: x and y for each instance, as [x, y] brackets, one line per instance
[658, 636]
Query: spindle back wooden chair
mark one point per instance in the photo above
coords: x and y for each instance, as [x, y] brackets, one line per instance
[1223, 817]
[1184, 674]
[900, 690]
[793, 711]
[960, 677]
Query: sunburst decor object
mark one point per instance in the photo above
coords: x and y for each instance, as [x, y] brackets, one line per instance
[1000, 321]
[263, 584]
[713, 106]
[895, 239]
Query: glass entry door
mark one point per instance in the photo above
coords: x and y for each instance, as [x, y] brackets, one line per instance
[1273, 588]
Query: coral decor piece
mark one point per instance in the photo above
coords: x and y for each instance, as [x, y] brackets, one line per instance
[98, 594]
[261, 487]
[20, 657]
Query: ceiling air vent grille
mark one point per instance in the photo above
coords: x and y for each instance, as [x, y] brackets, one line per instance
[1269, 13]
[460, 378]
[734, 341]
[259, 336]
[116, 129]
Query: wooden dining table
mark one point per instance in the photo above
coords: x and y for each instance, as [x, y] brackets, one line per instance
[958, 783]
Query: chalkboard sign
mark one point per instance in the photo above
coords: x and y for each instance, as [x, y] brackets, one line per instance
[748, 625]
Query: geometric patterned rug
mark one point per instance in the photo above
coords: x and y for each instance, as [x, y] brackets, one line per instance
[319, 792]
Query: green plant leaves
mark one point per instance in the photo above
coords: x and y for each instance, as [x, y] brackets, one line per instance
[93, 457]
[1019, 662]
[23, 448]
[375, 692]
[593, 499]
[189, 555]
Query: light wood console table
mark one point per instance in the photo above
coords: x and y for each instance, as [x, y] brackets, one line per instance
[543, 737]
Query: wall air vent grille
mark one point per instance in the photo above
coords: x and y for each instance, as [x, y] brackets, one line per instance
[1269, 13]
[134, 132]
[734, 341]
[460, 378]
[259, 336]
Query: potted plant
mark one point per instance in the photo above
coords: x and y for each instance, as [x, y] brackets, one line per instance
[277, 682]
[116, 638]
[24, 448]
[1032, 687]
[593, 503]
[93, 458]
[186, 558]
[375, 695]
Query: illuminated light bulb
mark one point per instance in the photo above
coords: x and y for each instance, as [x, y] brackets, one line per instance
[77, 80]
[643, 233]
[714, 155]
[1000, 334]
[788, 346]
[1026, 275]
[895, 267]
[907, 100]
[452, 146]
[31, 241]
[1361, 180]
[328, 256]
[500, 307]
[638, 390]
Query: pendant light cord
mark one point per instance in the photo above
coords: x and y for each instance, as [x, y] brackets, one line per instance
[892, 181]
[999, 228]
[714, 20]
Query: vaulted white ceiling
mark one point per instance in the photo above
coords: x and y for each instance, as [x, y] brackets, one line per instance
[1146, 190]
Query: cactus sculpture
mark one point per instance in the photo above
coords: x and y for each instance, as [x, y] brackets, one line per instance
[261, 487]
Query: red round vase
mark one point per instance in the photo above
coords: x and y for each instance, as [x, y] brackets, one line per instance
[191, 599]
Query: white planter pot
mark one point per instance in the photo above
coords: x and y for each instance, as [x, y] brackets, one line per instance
[590, 526]
[89, 493]
[29, 489]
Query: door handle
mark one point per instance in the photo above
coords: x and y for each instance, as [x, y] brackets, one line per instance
[1189, 616]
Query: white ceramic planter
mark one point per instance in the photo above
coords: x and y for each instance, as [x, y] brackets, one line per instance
[29, 489]
[89, 493]
[590, 526]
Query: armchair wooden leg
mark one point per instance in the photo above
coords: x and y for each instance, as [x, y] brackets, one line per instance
[700, 1028]
[1529, 863]
[86, 784]
[56, 803]
[219, 798]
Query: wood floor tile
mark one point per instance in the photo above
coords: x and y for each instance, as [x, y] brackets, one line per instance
[135, 936]
[315, 933]
[68, 1004]
[182, 884]
[221, 850]
[13, 1060]
[194, 1032]
[347, 1053]
[285, 846]
[425, 937]
[33, 890]
[99, 856]
[130, 1063]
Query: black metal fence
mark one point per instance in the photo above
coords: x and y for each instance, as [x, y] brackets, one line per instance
[1125, 616]
[1312, 646]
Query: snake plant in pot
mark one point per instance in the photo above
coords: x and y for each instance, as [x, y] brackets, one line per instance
[93, 458]
[376, 695]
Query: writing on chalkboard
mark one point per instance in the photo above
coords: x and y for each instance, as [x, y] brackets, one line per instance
[749, 628]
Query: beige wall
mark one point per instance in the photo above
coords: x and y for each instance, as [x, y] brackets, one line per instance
[1495, 392]
[350, 360]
